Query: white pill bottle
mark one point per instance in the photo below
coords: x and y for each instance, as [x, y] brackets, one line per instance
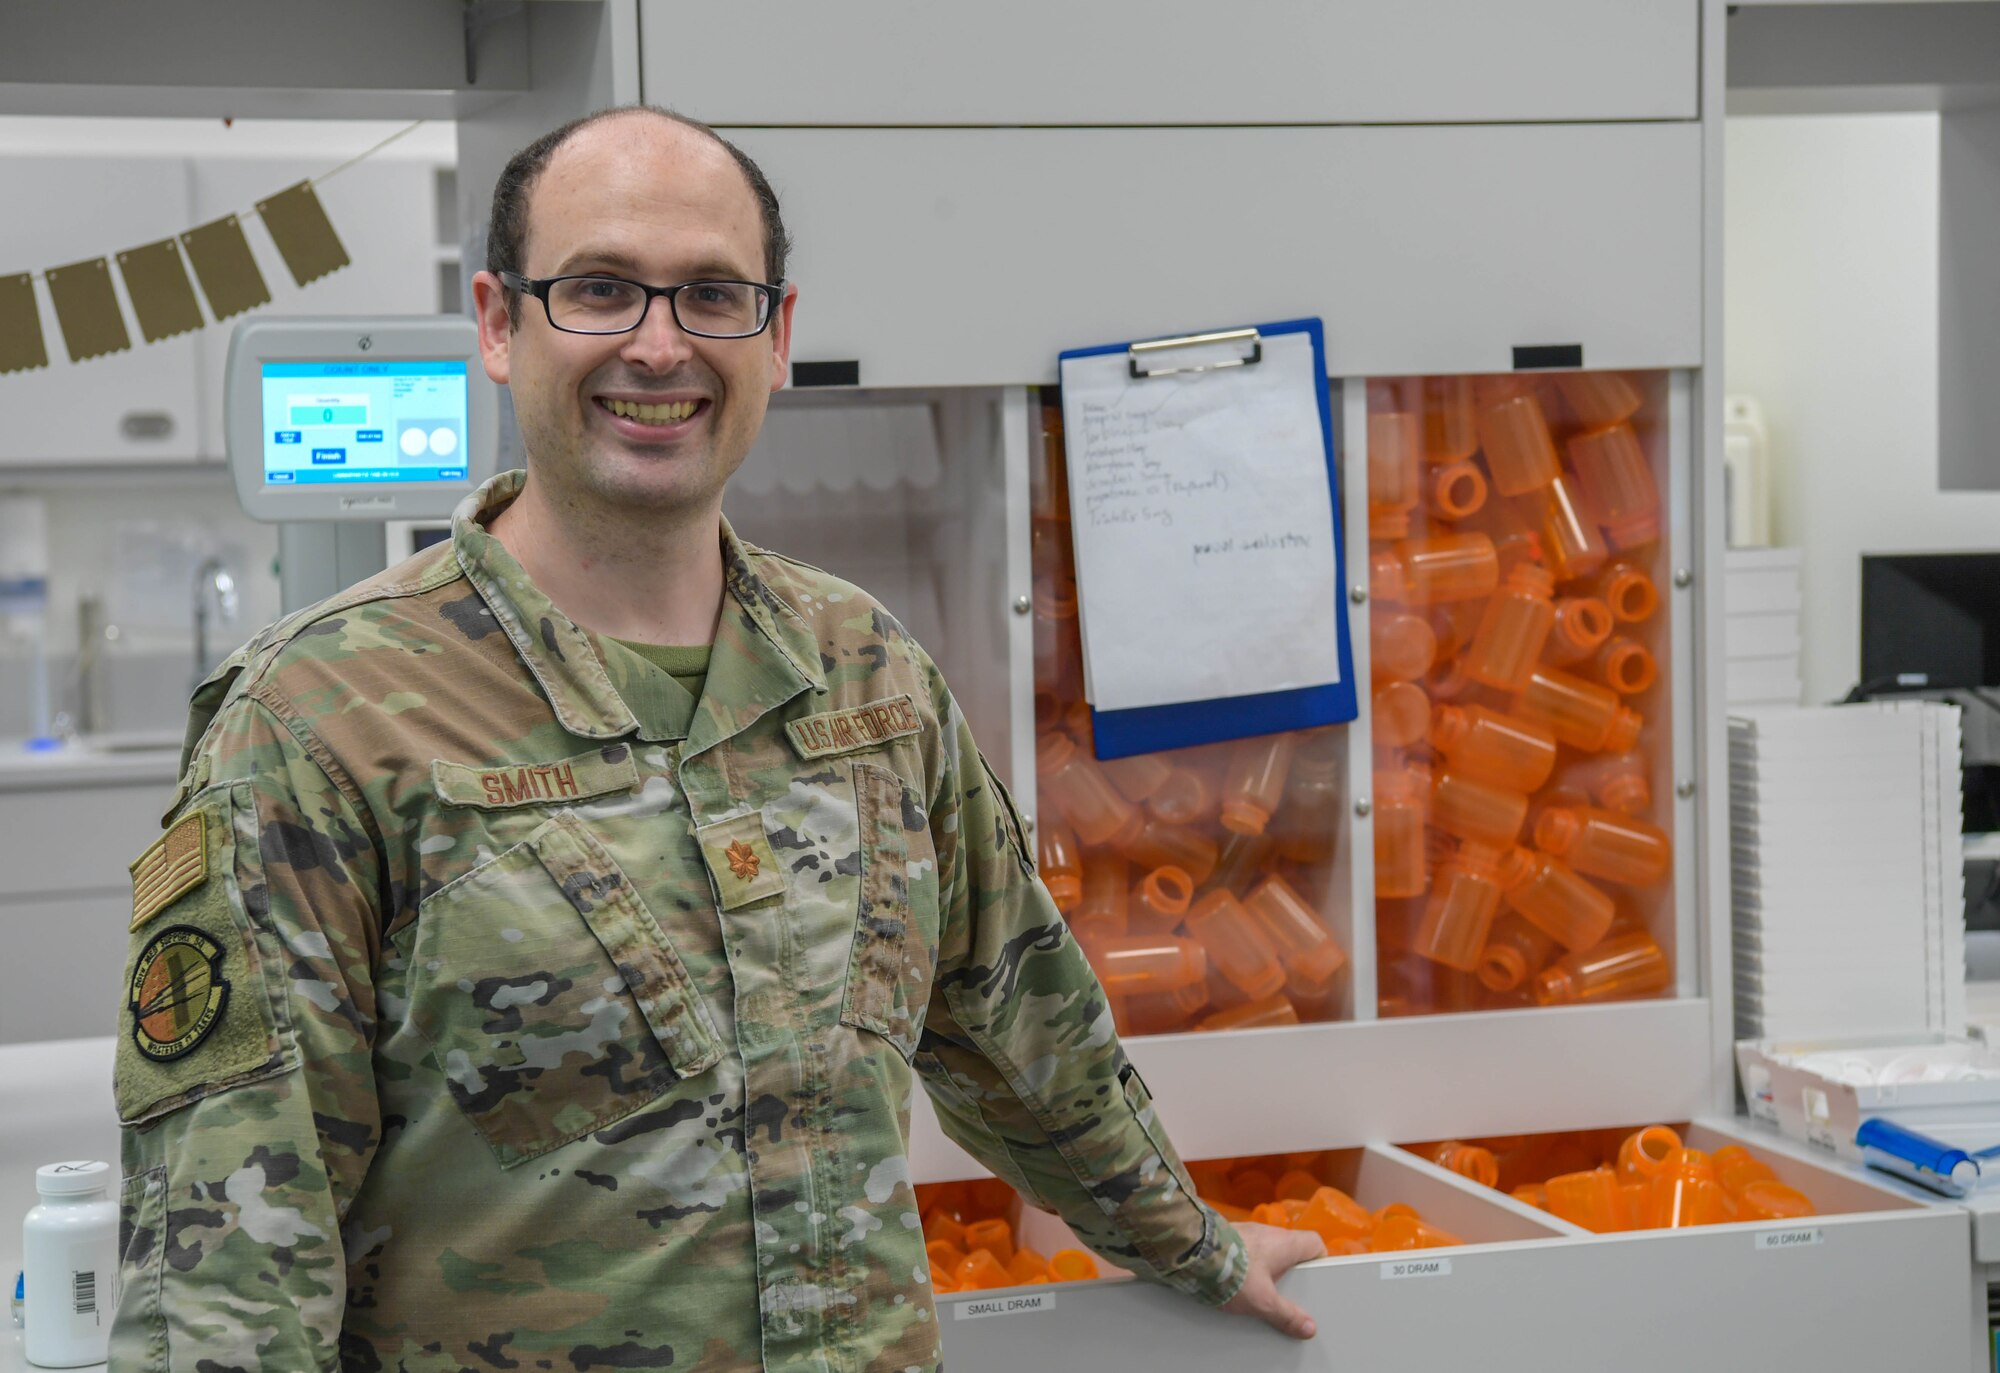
[69, 1253]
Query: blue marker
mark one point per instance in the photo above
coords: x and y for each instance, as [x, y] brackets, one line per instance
[1929, 1163]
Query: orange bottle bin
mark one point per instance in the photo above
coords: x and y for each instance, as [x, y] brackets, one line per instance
[1602, 843]
[1186, 797]
[1465, 893]
[1401, 647]
[1162, 897]
[1618, 483]
[1631, 594]
[1395, 456]
[1516, 949]
[1643, 1153]
[1572, 544]
[1272, 1010]
[1236, 945]
[1565, 907]
[1140, 963]
[1137, 777]
[1494, 748]
[1453, 492]
[1579, 713]
[1625, 965]
[1625, 666]
[1514, 435]
[1402, 714]
[1104, 906]
[993, 1235]
[1094, 808]
[1472, 809]
[1509, 640]
[1157, 844]
[1060, 863]
[1255, 781]
[1589, 1199]
[1684, 1192]
[1770, 1199]
[1311, 956]
[1442, 567]
[1451, 431]
[1399, 831]
[1304, 828]
[1582, 625]
[1071, 1265]
[1598, 398]
[1467, 1160]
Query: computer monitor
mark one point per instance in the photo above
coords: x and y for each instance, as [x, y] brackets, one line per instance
[1932, 613]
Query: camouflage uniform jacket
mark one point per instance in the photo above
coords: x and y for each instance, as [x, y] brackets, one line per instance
[493, 1003]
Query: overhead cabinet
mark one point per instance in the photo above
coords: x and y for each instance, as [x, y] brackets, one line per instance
[1186, 62]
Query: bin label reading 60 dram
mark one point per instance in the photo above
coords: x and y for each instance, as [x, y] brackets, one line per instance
[1416, 1268]
[1789, 1239]
[1007, 1306]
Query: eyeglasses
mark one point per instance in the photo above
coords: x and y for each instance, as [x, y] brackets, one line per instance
[613, 305]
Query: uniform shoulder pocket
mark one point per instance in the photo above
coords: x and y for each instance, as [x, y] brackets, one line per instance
[197, 1014]
[1016, 833]
[894, 955]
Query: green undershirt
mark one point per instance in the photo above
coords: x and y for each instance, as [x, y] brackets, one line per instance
[687, 665]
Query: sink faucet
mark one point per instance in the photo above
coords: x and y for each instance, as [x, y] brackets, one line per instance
[212, 581]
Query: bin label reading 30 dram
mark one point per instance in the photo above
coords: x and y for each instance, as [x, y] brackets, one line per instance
[1007, 1306]
[1416, 1268]
[1789, 1239]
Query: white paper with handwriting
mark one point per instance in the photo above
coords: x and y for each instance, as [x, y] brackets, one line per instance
[1204, 528]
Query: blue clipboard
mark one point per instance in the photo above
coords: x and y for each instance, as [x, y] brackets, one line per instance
[1154, 729]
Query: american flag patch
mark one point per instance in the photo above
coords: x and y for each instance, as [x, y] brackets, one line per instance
[175, 865]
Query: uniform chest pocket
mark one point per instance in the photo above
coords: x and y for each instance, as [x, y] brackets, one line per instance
[551, 999]
[894, 955]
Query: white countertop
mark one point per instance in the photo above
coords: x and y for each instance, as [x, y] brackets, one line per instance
[103, 761]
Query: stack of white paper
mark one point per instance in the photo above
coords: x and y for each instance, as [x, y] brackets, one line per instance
[1847, 893]
[1760, 626]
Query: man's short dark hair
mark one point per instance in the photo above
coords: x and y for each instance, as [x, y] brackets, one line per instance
[507, 231]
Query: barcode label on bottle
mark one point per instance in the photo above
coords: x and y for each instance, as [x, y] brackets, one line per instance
[83, 1291]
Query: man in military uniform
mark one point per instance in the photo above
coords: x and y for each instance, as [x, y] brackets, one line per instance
[510, 991]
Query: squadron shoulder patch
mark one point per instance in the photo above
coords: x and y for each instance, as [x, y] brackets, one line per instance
[178, 992]
[175, 864]
[863, 726]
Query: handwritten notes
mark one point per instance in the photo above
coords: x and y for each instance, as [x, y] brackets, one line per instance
[1203, 515]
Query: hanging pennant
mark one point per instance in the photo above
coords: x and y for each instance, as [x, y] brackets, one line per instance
[222, 263]
[161, 294]
[21, 344]
[87, 309]
[304, 235]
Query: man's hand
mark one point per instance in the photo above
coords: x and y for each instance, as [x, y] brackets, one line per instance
[1273, 1253]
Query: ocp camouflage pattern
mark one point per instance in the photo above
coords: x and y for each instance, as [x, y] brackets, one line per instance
[534, 1059]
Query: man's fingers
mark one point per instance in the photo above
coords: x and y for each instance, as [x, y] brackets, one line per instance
[1289, 1319]
[1298, 1247]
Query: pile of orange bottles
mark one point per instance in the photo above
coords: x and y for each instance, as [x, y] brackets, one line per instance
[1194, 880]
[1295, 1192]
[1517, 644]
[1613, 1180]
[969, 1235]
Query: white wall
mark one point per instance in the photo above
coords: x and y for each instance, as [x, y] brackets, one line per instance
[1831, 315]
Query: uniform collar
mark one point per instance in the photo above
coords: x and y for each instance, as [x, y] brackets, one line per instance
[764, 653]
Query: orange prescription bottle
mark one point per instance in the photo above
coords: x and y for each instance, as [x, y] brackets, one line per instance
[944, 1256]
[1442, 567]
[1401, 647]
[1240, 861]
[1071, 1265]
[1158, 844]
[1684, 1192]
[1625, 965]
[1096, 811]
[1598, 398]
[1057, 648]
[1588, 1199]
[1453, 624]
[1157, 1013]
[1572, 544]
[1310, 955]
[1060, 863]
[1236, 945]
[1582, 624]
[1472, 809]
[1186, 797]
[1028, 1268]
[1602, 843]
[1103, 908]
[1514, 434]
[1395, 455]
[980, 1269]
[1643, 1153]
[993, 1235]
[1255, 782]
[1399, 830]
[1464, 895]
[1467, 1160]
[1402, 714]
[1148, 963]
[1769, 1199]
[1495, 748]
[1564, 906]
[1162, 897]
[1618, 483]
[1272, 1010]
[1581, 714]
[1305, 825]
[1625, 666]
[1453, 492]
[1450, 429]
[1333, 1215]
[1736, 1168]
[939, 1225]
[1138, 776]
[1508, 642]
[1629, 591]
[1515, 949]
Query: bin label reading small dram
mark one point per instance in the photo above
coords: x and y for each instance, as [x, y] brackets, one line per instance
[1790, 1239]
[1007, 1306]
[1416, 1268]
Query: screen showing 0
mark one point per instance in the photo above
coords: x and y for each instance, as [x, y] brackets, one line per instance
[387, 421]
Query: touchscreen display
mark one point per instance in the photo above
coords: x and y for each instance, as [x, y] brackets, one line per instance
[386, 421]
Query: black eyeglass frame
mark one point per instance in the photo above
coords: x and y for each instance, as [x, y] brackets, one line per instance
[538, 287]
